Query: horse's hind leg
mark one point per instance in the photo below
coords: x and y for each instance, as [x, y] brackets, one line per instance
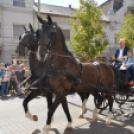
[84, 98]
[66, 110]
[110, 115]
[32, 95]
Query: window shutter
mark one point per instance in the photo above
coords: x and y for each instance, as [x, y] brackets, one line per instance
[18, 30]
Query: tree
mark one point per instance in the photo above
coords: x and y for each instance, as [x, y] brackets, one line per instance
[87, 36]
[127, 30]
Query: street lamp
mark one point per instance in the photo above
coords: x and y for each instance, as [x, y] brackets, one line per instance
[38, 12]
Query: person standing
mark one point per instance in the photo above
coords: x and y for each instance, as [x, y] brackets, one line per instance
[9, 73]
[19, 77]
[120, 52]
[13, 85]
[4, 82]
[128, 63]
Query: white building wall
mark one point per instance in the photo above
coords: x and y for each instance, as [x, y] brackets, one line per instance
[11, 15]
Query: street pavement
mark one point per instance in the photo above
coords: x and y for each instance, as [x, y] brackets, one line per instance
[13, 121]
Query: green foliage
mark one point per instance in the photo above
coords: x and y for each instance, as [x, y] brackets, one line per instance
[127, 30]
[87, 42]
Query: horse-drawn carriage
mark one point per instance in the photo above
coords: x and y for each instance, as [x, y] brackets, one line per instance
[121, 93]
[57, 71]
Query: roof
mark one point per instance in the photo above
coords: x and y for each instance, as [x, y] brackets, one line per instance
[56, 10]
[131, 9]
[105, 3]
[59, 10]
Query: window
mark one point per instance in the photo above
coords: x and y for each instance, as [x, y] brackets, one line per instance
[20, 3]
[18, 30]
[66, 34]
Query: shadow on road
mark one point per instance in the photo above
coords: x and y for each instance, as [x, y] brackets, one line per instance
[37, 131]
[124, 125]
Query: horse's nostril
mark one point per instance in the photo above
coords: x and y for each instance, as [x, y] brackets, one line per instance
[42, 55]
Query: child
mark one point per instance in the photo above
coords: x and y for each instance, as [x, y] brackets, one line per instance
[128, 63]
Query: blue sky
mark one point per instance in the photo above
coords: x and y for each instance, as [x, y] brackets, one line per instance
[74, 3]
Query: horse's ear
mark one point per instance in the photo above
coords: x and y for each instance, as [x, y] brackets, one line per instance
[49, 19]
[19, 37]
[24, 28]
[40, 19]
[31, 28]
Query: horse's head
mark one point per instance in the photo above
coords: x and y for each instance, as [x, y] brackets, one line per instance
[28, 41]
[47, 37]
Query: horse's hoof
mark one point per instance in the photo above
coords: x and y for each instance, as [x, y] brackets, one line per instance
[108, 123]
[81, 116]
[68, 129]
[35, 118]
[85, 111]
[95, 119]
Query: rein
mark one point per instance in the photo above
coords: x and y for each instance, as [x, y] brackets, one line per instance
[73, 57]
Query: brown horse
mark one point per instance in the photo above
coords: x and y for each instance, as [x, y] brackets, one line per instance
[52, 42]
[29, 41]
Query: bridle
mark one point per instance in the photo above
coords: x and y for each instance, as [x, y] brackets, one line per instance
[51, 34]
[27, 45]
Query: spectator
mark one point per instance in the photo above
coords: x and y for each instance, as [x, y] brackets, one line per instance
[128, 64]
[13, 67]
[120, 52]
[23, 70]
[4, 81]
[13, 85]
[9, 73]
[19, 77]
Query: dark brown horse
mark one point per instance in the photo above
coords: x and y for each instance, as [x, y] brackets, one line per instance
[52, 41]
[29, 41]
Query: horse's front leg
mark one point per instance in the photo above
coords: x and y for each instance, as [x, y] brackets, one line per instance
[84, 98]
[31, 96]
[66, 110]
[59, 98]
[49, 103]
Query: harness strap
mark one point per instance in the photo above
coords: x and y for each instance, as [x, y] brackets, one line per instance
[24, 81]
[98, 66]
[78, 81]
[66, 63]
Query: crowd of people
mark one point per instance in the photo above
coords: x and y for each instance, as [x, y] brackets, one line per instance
[10, 78]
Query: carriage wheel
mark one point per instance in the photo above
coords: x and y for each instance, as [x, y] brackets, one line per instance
[103, 105]
[121, 99]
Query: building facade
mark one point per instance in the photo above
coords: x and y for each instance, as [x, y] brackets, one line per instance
[114, 13]
[14, 14]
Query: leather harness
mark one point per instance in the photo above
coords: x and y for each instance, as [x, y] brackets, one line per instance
[49, 72]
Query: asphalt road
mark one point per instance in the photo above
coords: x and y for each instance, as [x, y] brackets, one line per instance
[13, 121]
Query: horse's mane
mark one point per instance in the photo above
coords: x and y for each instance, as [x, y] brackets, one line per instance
[64, 43]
